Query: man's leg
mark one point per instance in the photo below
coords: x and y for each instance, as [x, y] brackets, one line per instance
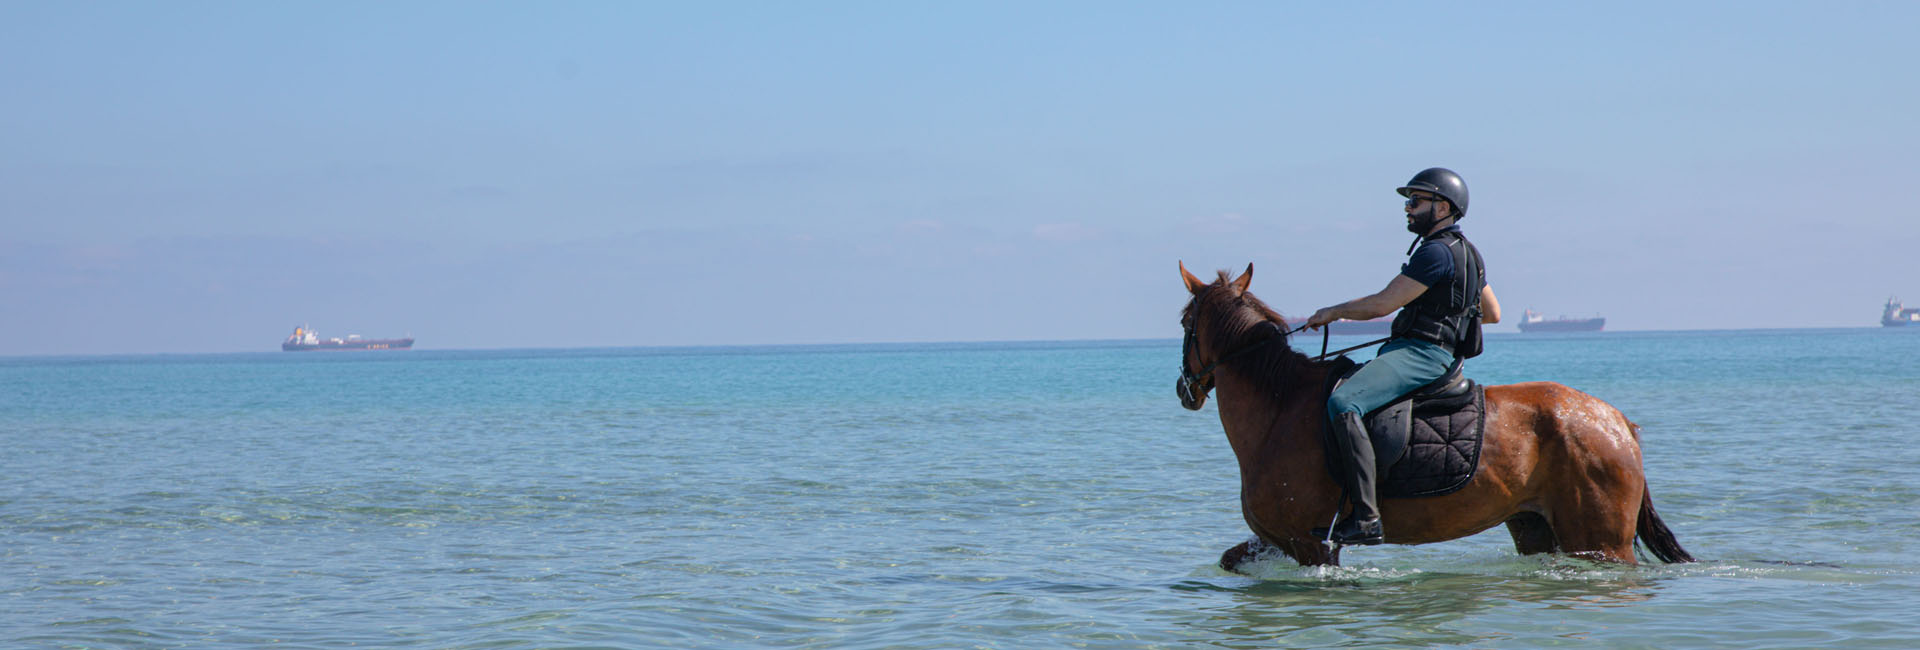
[1400, 367]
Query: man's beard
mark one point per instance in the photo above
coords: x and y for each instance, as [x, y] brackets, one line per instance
[1422, 221]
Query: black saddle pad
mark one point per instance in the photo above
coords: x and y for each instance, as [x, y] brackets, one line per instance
[1443, 448]
[1422, 447]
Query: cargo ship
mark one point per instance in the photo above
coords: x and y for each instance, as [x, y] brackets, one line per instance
[1533, 322]
[1898, 315]
[306, 339]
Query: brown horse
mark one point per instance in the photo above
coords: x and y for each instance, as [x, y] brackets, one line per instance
[1559, 467]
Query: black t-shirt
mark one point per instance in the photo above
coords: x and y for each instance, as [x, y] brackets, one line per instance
[1431, 263]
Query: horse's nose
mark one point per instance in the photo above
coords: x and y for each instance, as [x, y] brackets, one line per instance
[1188, 398]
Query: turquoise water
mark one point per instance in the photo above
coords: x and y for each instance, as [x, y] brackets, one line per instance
[897, 496]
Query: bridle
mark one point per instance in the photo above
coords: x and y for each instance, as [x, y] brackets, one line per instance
[1189, 379]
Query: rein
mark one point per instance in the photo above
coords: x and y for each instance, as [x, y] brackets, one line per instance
[1324, 354]
[1188, 379]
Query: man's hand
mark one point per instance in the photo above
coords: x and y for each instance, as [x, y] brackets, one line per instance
[1321, 318]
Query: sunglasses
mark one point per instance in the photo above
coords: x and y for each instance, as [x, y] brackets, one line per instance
[1415, 200]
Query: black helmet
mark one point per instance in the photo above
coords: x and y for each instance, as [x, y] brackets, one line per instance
[1441, 181]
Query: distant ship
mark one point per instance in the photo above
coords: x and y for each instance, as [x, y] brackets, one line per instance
[1533, 322]
[1895, 316]
[307, 339]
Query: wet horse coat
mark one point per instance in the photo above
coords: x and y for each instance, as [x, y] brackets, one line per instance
[1560, 468]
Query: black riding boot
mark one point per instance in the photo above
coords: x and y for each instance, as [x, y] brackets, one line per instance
[1356, 454]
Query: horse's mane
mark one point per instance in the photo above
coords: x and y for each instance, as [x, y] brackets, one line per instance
[1234, 319]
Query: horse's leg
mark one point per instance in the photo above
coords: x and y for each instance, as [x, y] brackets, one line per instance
[1531, 534]
[1243, 553]
[1596, 520]
[1593, 506]
[1255, 550]
[1602, 543]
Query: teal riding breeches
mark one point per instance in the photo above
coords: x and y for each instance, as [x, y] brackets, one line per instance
[1401, 366]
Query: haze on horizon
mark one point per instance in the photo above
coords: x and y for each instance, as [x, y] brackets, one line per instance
[205, 177]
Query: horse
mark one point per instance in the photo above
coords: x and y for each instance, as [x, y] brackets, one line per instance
[1560, 468]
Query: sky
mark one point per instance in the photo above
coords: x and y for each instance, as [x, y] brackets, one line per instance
[206, 176]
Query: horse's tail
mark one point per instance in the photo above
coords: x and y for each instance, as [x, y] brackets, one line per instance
[1655, 534]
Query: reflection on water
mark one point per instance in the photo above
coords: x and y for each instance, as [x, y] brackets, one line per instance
[1314, 606]
[1427, 599]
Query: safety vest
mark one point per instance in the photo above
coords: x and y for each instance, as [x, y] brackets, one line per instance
[1448, 314]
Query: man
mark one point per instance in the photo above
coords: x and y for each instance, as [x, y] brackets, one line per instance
[1440, 290]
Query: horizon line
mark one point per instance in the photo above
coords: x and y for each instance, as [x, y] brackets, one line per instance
[711, 346]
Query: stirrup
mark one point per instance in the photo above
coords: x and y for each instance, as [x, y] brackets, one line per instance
[1361, 533]
[1347, 532]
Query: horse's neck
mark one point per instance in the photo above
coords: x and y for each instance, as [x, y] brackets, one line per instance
[1268, 430]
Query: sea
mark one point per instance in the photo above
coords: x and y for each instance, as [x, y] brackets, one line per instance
[965, 495]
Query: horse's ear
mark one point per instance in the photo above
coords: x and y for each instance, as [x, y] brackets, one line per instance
[1240, 283]
[1194, 285]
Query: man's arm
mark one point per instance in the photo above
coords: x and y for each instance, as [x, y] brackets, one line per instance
[1489, 305]
[1399, 292]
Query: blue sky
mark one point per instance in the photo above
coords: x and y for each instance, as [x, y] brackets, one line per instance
[203, 177]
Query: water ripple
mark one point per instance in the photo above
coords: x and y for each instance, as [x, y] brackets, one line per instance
[901, 497]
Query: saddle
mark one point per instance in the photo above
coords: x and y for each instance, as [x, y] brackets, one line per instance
[1425, 443]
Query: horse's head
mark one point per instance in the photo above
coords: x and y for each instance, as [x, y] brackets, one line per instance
[1218, 315]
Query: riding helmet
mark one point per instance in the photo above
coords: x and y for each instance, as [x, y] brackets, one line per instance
[1441, 181]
